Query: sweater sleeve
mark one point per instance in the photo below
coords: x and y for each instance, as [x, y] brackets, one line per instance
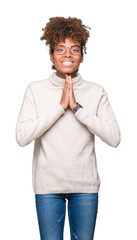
[104, 123]
[29, 126]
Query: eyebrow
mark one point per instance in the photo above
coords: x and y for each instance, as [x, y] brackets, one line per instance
[68, 46]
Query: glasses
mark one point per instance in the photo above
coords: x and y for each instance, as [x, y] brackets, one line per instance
[74, 49]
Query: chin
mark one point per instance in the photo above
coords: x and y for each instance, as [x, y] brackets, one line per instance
[68, 71]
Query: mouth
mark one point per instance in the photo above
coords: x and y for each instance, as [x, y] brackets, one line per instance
[67, 63]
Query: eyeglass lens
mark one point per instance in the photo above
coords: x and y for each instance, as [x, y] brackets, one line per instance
[62, 49]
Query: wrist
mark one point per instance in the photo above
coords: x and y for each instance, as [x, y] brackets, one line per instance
[74, 106]
[75, 109]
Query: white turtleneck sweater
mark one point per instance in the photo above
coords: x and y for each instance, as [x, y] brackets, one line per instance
[64, 158]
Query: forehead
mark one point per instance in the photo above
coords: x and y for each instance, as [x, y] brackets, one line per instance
[69, 41]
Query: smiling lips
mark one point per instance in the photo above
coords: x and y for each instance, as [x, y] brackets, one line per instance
[67, 63]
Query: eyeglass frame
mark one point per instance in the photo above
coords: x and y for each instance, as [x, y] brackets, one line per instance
[69, 48]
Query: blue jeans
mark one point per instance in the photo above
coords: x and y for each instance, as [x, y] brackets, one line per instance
[82, 212]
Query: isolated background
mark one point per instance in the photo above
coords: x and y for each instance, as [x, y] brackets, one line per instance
[111, 61]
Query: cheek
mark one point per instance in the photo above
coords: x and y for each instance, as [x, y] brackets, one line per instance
[78, 60]
[57, 61]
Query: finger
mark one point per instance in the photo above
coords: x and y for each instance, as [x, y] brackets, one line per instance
[67, 76]
[69, 90]
[70, 82]
[66, 82]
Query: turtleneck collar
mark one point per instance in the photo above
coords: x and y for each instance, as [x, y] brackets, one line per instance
[59, 82]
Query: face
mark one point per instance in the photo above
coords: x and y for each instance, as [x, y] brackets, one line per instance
[59, 60]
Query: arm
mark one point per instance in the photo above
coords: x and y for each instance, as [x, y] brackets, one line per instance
[29, 126]
[104, 123]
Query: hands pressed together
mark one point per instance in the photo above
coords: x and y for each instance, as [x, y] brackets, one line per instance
[68, 98]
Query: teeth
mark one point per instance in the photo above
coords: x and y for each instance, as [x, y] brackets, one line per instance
[67, 62]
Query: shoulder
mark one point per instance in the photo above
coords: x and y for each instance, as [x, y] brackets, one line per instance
[93, 86]
[38, 84]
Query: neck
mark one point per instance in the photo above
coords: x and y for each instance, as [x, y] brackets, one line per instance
[58, 81]
[63, 75]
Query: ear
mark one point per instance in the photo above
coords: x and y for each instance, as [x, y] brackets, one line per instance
[82, 58]
[51, 58]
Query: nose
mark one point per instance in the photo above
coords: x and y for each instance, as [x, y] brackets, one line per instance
[68, 53]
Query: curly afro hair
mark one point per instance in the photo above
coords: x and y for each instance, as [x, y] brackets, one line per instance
[60, 28]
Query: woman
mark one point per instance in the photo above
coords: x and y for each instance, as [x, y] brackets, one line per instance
[63, 114]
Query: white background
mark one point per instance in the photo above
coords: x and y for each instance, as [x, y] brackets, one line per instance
[111, 61]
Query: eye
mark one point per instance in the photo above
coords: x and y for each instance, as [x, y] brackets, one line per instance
[59, 50]
[75, 50]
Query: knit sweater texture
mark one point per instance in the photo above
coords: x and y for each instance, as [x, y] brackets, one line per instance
[64, 157]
